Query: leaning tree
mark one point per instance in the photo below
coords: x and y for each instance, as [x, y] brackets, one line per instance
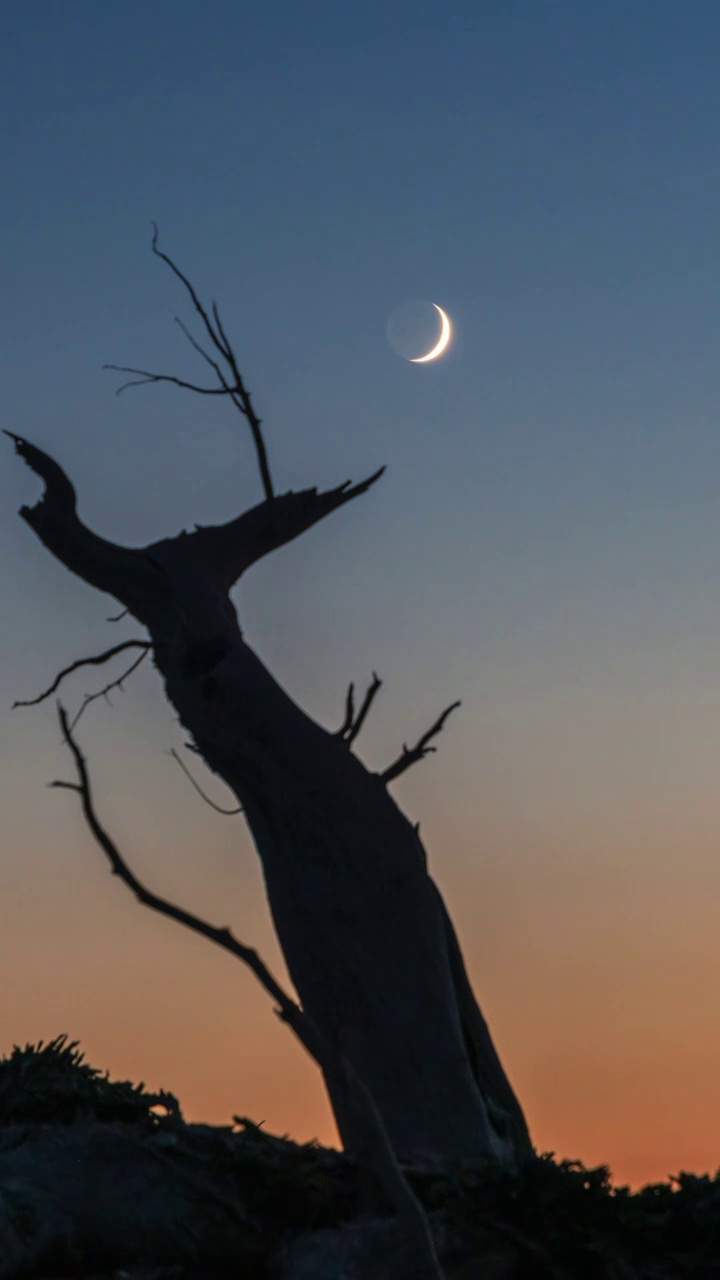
[386, 1006]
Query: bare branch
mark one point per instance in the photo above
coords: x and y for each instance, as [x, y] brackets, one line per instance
[221, 936]
[123, 572]
[243, 541]
[383, 1161]
[87, 662]
[60, 489]
[235, 388]
[114, 684]
[195, 300]
[131, 574]
[218, 808]
[410, 755]
[239, 392]
[347, 723]
[243, 401]
[367, 702]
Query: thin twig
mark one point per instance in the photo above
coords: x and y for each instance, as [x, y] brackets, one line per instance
[114, 684]
[196, 301]
[225, 347]
[410, 755]
[218, 808]
[145, 376]
[201, 351]
[367, 702]
[84, 662]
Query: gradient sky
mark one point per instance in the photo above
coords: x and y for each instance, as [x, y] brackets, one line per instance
[545, 544]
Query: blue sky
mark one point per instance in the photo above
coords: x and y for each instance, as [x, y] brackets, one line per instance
[544, 543]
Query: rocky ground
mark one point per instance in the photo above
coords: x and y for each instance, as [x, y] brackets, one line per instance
[101, 1180]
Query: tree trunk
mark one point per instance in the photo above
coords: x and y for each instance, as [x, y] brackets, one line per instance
[364, 930]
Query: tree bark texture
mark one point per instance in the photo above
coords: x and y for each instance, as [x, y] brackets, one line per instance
[364, 930]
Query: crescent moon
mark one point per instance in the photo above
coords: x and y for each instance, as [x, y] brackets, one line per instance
[443, 340]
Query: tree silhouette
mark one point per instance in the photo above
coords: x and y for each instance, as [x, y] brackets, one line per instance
[386, 1006]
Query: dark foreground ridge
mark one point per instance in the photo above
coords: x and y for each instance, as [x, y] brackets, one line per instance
[102, 1180]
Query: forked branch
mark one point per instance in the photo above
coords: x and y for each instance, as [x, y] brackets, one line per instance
[330, 1058]
[231, 382]
[410, 755]
[352, 724]
[347, 723]
[130, 574]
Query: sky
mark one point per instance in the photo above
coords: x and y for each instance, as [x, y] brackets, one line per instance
[545, 543]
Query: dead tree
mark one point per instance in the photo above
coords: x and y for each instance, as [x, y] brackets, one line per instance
[367, 938]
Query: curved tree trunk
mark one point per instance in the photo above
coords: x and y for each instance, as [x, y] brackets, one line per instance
[363, 928]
